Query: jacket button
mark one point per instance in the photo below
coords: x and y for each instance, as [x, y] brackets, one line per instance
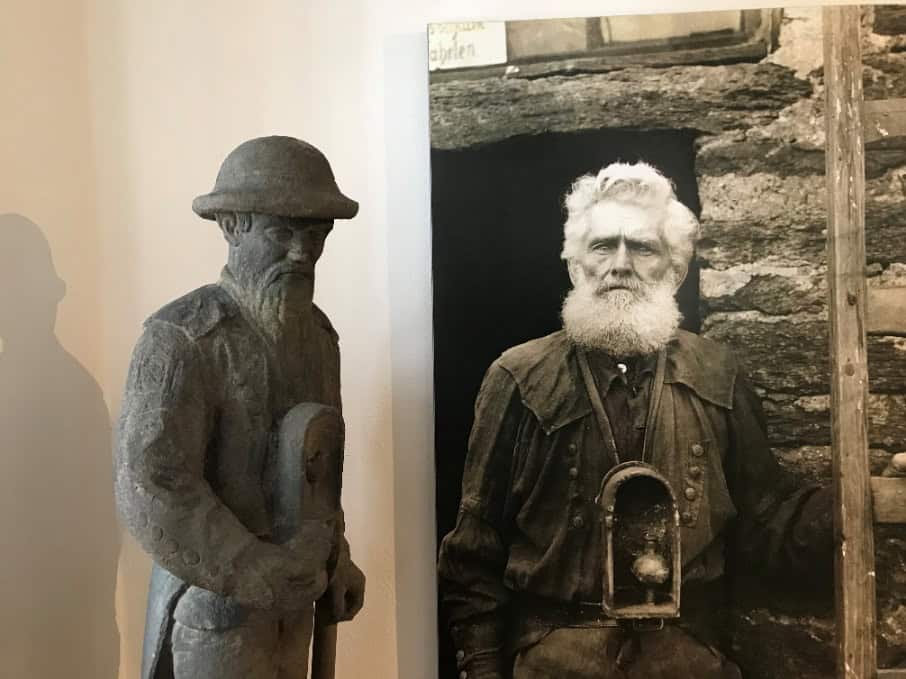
[578, 521]
[686, 517]
[573, 473]
[460, 655]
[171, 546]
[695, 471]
[697, 449]
[157, 533]
[463, 675]
[191, 557]
[572, 447]
[691, 493]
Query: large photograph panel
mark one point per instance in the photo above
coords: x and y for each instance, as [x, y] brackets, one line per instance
[727, 106]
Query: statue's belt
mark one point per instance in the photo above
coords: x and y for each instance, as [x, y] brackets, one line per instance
[555, 614]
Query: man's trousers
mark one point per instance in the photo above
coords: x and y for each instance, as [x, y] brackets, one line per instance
[621, 653]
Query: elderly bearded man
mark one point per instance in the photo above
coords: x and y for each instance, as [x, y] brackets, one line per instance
[521, 571]
[211, 378]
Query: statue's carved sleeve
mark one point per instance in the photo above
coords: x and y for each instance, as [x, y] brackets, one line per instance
[164, 431]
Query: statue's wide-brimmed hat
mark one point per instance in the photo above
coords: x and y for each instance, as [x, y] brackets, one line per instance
[280, 176]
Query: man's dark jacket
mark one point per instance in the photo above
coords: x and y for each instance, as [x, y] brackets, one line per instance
[528, 526]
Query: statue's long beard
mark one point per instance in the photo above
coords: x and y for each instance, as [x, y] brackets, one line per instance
[280, 310]
[622, 322]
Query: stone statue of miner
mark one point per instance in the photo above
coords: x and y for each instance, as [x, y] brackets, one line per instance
[211, 377]
[521, 572]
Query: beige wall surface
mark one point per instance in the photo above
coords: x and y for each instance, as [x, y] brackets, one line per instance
[115, 115]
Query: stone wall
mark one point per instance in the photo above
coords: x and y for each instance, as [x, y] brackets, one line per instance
[763, 290]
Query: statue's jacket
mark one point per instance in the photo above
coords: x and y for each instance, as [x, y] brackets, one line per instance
[205, 393]
[528, 527]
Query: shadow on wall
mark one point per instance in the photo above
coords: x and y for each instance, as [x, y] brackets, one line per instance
[58, 534]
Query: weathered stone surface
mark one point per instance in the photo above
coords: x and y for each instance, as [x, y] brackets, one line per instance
[798, 625]
[800, 45]
[886, 311]
[774, 240]
[806, 420]
[889, 20]
[727, 155]
[790, 354]
[751, 157]
[763, 197]
[813, 463]
[707, 98]
[890, 566]
[790, 201]
[772, 645]
[771, 291]
[885, 76]
[801, 123]
[883, 155]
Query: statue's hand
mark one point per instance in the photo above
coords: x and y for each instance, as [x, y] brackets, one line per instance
[346, 590]
[288, 577]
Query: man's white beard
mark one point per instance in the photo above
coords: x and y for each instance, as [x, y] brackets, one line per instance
[622, 322]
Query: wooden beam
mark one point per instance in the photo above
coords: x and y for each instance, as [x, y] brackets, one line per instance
[883, 119]
[889, 500]
[855, 571]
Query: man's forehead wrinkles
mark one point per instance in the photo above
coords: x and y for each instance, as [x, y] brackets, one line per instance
[624, 229]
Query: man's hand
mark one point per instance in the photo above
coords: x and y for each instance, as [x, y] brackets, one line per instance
[287, 577]
[346, 590]
[896, 466]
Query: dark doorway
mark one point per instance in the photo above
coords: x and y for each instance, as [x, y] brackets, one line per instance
[498, 278]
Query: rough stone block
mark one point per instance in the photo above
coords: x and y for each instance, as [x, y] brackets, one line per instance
[889, 20]
[800, 646]
[727, 154]
[813, 463]
[806, 420]
[790, 354]
[775, 291]
[885, 76]
[776, 241]
[711, 99]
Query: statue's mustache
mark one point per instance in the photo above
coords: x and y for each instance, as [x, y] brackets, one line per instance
[280, 270]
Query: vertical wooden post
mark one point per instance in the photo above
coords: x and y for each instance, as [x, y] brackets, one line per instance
[855, 569]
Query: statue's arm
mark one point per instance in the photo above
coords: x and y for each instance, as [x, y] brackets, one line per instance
[784, 525]
[163, 434]
[474, 554]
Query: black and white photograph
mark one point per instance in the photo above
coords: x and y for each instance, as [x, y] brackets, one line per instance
[639, 242]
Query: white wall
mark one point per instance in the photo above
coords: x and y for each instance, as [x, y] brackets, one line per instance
[122, 113]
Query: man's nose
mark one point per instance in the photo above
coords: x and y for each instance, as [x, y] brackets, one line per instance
[621, 262]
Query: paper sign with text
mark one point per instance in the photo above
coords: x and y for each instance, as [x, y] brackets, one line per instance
[466, 44]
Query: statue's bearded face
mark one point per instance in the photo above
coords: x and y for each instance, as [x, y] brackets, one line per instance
[623, 282]
[274, 257]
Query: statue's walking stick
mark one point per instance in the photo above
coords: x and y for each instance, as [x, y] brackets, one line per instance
[308, 475]
[323, 643]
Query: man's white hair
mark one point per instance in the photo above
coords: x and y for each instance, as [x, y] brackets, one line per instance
[637, 184]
